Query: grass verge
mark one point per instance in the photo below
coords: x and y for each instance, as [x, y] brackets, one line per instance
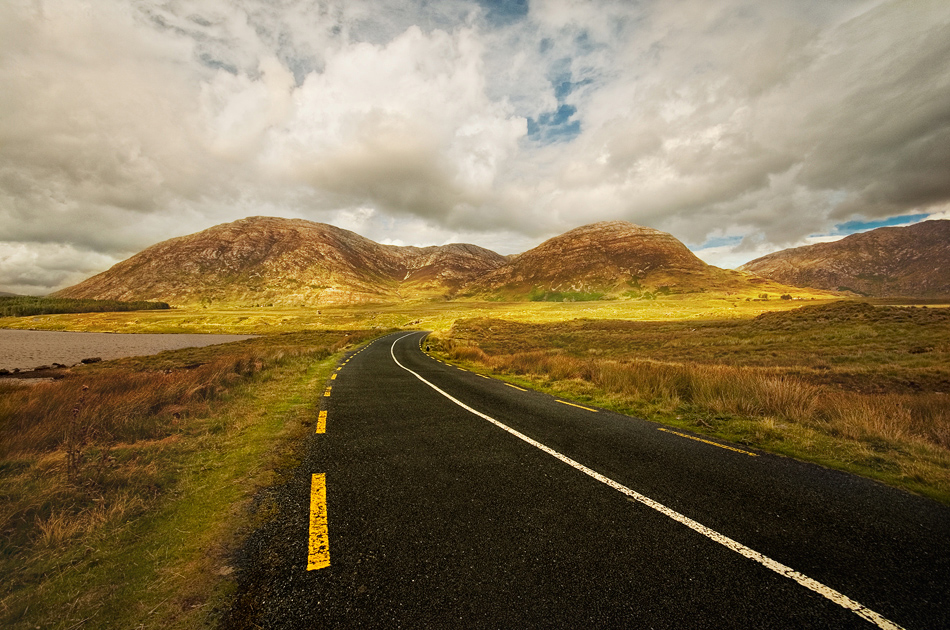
[849, 386]
[135, 532]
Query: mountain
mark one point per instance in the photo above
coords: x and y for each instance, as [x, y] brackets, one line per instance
[911, 261]
[607, 259]
[275, 261]
[267, 261]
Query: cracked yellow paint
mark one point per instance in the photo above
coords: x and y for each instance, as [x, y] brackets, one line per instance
[322, 422]
[319, 548]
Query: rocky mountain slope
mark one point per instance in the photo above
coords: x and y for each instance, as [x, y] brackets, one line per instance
[911, 261]
[274, 261]
[266, 261]
[607, 259]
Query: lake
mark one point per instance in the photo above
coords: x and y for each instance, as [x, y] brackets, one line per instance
[28, 349]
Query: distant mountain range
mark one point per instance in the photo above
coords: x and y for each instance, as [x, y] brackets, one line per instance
[267, 261]
[912, 261]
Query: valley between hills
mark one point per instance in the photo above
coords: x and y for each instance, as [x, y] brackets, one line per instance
[102, 467]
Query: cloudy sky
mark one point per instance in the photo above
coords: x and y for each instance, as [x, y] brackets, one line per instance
[739, 126]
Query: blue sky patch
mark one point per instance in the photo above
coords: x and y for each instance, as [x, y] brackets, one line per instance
[558, 125]
[501, 12]
[850, 227]
[565, 88]
[555, 126]
[718, 241]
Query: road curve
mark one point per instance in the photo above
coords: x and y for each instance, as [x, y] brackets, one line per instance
[435, 497]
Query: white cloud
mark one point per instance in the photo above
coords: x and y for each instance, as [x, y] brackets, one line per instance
[123, 123]
[31, 268]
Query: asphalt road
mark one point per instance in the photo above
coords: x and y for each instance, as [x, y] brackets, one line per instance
[486, 506]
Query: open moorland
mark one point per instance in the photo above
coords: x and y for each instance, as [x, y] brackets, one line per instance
[127, 483]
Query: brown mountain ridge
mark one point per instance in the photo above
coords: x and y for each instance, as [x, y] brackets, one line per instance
[912, 261]
[264, 261]
[275, 261]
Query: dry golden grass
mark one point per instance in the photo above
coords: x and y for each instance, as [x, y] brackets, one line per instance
[106, 407]
[85, 459]
[741, 391]
[434, 315]
[850, 385]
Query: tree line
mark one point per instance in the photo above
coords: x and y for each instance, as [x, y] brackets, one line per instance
[25, 306]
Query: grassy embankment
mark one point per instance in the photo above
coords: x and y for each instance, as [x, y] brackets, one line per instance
[847, 385]
[122, 486]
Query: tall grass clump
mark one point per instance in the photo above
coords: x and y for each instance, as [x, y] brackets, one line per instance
[890, 417]
[763, 393]
[114, 407]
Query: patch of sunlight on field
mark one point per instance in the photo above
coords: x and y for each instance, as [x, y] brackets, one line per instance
[420, 315]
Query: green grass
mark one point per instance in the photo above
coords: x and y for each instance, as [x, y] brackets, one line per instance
[564, 296]
[436, 315]
[144, 542]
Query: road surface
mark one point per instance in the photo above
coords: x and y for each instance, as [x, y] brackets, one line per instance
[433, 497]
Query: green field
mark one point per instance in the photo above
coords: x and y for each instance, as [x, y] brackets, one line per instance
[420, 315]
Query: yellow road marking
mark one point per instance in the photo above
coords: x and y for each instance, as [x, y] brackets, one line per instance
[327, 393]
[333, 377]
[564, 402]
[516, 387]
[319, 551]
[339, 368]
[482, 375]
[322, 422]
[728, 448]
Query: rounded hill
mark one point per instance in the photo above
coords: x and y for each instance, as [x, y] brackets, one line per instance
[602, 259]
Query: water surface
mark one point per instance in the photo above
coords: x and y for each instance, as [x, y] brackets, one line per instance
[27, 349]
